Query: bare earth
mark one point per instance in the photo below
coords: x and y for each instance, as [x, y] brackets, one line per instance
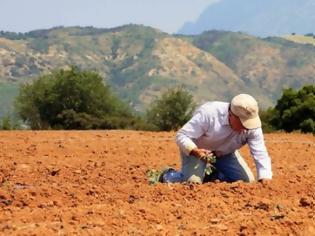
[94, 183]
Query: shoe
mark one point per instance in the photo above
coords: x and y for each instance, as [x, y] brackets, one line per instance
[156, 176]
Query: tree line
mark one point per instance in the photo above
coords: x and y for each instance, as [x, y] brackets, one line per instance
[75, 99]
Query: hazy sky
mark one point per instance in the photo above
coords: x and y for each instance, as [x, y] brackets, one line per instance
[166, 15]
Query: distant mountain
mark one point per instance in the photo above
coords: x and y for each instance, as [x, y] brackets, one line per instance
[266, 65]
[139, 62]
[257, 17]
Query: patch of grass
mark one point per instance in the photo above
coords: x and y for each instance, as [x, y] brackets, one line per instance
[303, 39]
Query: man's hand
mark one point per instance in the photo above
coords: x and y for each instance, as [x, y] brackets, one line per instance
[201, 153]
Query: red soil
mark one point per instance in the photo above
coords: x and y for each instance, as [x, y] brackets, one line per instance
[94, 182]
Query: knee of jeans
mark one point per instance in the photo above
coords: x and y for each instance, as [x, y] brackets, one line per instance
[195, 179]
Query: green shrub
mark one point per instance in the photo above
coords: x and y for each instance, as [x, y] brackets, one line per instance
[71, 99]
[295, 110]
[308, 126]
[9, 123]
[266, 117]
[172, 110]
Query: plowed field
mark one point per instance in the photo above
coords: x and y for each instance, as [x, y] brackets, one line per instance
[94, 183]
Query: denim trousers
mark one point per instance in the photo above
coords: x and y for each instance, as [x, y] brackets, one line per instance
[229, 168]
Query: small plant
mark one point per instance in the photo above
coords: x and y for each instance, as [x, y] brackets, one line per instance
[154, 176]
[209, 159]
[209, 167]
[6, 184]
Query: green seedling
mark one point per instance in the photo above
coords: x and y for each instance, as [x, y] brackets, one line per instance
[209, 159]
[153, 176]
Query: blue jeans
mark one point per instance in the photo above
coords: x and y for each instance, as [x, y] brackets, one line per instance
[229, 168]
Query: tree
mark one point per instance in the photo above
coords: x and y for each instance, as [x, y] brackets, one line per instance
[266, 117]
[71, 99]
[172, 110]
[295, 110]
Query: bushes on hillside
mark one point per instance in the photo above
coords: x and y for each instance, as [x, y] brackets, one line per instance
[295, 110]
[72, 99]
[266, 116]
[8, 122]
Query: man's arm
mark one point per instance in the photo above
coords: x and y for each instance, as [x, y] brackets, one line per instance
[259, 152]
[193, 129]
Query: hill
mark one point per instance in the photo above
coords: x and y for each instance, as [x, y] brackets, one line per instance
[256, 17]
[267, 65]
[138, 62]
[141, 62]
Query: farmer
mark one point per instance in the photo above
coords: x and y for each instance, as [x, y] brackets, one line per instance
[219, 129]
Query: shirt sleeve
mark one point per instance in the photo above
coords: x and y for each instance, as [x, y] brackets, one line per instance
[259, 152]
[193, 129]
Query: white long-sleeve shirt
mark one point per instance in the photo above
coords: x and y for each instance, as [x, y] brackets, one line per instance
[209, 128]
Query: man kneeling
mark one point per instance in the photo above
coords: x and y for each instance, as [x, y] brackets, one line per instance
[220, 129]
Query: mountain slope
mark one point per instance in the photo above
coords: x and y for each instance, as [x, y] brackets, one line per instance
[256, 17]
[138, 62]
[262, 64]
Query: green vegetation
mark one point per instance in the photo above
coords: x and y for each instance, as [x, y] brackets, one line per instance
[295, 110]
[75, 99]
[172, 110]
[72, 99]
[40, 44]
[8, 92]
[228, 47]
[135, 60]
[266, 116]
[138, 63]
[9, 123]
[209, 159]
